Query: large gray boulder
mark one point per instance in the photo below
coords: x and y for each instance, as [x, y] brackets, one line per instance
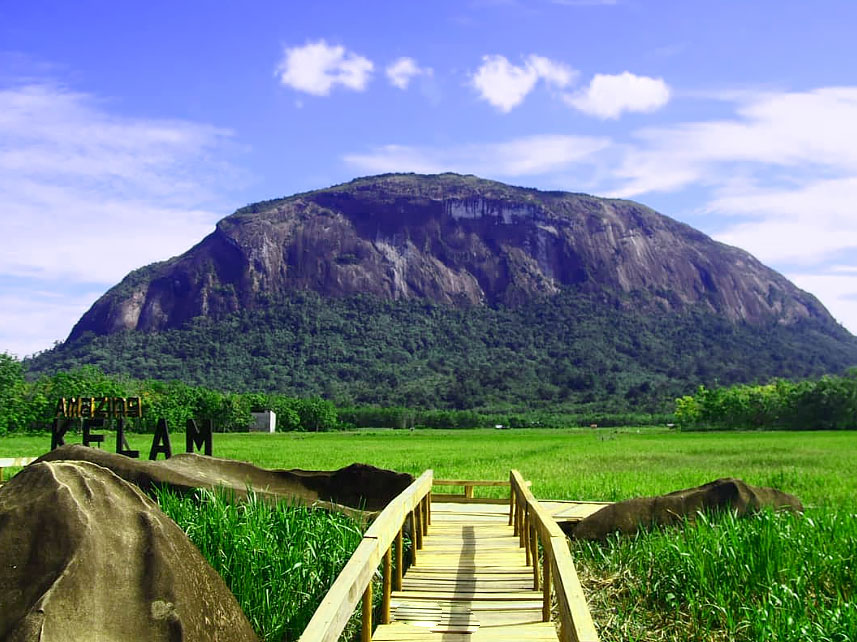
[354, 489]
[87, 556]
[630, 516]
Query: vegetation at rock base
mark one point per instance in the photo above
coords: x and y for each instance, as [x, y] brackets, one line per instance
[768, 576]
[572, 352]
[828, 403]
[278, 560]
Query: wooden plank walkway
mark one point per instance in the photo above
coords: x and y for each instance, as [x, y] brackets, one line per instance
[471, 583]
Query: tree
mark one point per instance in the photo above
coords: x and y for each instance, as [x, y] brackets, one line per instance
[15, 411]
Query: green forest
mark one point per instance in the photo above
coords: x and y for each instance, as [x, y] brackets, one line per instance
[828, 402]
[576, 352]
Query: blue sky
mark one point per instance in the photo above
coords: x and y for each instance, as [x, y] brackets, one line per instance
[127, 129]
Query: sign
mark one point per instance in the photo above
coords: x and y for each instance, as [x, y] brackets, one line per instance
[98, 407]
[95, 412]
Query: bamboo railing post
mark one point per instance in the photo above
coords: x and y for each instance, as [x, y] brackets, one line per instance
[366, 628]
[511, 499]
[515, 517]
[413, 538]
[387, 582]
[534, 546]
[418, 527]
[546, 580]
[400, 561]
[526, 533]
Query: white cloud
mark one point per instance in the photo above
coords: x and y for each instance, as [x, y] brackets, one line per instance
[32, 321]
[813, 131]
[609, 95]
[527, 156]
[838, 292]
[505, 85]
[88, 196]
[804, 224]
[401, 71]
[317, 67]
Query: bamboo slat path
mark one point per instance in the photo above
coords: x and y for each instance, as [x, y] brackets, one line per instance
[476, 573]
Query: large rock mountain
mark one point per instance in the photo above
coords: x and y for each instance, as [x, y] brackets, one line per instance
[450, 239]
[452, 291]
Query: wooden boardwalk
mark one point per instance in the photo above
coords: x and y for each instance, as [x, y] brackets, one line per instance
[480, 569]
[471, 582]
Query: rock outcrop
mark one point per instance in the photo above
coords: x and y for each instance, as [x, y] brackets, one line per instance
[630, 516]
[359, 486]
[448, 239]
[87, 556]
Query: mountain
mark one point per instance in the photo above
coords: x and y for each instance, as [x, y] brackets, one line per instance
[458, 274]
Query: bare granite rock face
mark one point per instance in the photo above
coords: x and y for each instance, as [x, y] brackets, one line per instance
[630, 516]
[87, 556]
[448, 239]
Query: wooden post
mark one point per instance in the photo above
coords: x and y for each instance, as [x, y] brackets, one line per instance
[413, 538]
[511, 501]
[424, 515]
[429, 508]
[366, 627]
[546, 580]
[526, 532]
[468, 491]
[534, 546]
[387, 582]
[418, 511]
[400, 559]
[522, 512]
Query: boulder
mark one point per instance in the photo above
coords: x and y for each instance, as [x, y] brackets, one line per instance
[643, 512]
[354, 490]
[87, 556]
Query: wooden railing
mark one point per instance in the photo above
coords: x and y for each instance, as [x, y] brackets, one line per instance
[14, 462]
[355, 580]
[533, 524]
[468, 485]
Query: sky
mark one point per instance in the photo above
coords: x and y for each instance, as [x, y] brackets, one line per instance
[128, 129]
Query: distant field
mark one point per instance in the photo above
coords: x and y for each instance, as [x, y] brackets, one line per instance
[600, 464]
[770, 577]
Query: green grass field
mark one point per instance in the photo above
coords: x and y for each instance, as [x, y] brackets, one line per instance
[601, 464]
[769, 577]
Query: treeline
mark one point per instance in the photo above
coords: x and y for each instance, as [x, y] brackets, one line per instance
[828, 403]
[30, 405]
[400, 417]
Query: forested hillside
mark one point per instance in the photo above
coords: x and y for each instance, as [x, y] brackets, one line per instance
[573, 350]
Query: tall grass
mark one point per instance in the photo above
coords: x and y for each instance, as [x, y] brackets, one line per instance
[278, 560]
[770, 576]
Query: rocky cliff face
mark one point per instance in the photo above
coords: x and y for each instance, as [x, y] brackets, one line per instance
[450, 239]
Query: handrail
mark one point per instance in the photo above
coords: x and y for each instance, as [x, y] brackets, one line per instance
[468, 485]
[532, 523]
[355, 580]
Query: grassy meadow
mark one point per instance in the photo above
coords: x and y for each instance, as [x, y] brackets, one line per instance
[768, 577]
[600, 464]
